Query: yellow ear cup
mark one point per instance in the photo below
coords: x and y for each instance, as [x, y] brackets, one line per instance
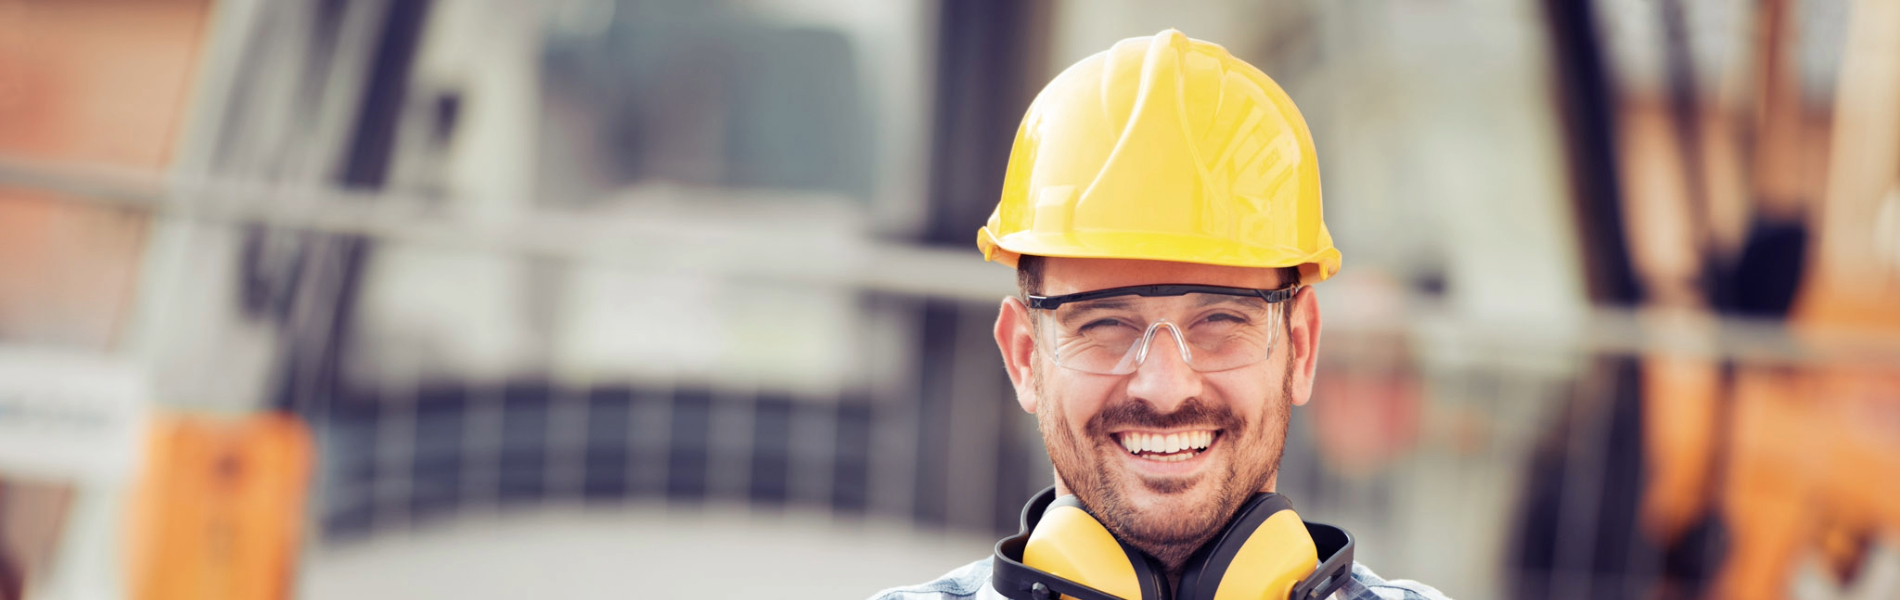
[1069, 543]
[1276, 556]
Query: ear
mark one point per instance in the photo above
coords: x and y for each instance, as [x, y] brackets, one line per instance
[1303, 343]
[1016, 338]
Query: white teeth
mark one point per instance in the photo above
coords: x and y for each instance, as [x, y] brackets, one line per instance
[1170, 445]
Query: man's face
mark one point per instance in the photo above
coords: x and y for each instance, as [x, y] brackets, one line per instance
[1166, 503]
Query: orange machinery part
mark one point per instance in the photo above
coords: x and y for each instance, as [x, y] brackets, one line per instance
[220, 508]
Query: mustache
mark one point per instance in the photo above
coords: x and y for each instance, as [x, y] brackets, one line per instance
[1138, 413]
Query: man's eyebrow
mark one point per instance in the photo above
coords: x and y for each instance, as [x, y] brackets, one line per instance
[1103, 303]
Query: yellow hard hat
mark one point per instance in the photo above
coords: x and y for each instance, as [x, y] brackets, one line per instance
[1164, 148]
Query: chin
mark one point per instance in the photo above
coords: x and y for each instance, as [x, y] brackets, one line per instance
[1165, 525]
[1167, 494]
[1165, 504]
[1173, 496]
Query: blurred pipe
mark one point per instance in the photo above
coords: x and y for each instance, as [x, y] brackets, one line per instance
[1781, 193]
[317, 338]
[991, 62]
[760, 254]
[1583, 94]
[756, 252]
[1684, 109]
[1688, 126]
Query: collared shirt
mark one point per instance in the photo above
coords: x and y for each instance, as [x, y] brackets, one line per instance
[972, 582]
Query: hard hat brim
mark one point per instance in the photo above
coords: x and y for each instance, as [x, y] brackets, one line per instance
[1314, 267]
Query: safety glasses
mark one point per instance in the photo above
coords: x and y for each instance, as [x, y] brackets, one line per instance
[1110, 331]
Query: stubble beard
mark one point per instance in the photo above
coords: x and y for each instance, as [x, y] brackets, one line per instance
[1174, 536]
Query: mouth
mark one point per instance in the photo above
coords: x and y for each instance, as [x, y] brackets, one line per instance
[1166, 447]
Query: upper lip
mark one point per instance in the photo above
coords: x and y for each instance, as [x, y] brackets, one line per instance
[1162, 431]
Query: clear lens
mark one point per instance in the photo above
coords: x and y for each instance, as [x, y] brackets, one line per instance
[1114, 336]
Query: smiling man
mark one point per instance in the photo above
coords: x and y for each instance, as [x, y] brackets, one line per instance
[1162, 210]
[1166, 412]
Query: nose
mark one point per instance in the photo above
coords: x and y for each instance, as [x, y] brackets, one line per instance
[1164, 379]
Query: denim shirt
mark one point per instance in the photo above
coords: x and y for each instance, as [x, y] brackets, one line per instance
[972, 582]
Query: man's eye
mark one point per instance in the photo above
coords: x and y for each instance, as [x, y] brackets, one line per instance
[1100, 325]
[1226, 318]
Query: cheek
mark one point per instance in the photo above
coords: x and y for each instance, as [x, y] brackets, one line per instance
[1246, 391]
[1079, 397]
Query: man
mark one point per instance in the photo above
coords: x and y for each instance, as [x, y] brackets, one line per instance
[1162, 209]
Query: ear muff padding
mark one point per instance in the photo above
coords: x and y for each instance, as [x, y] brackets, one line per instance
[1069, 543]
[1262, 553]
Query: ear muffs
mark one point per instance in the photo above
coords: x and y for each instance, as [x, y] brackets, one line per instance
[1264, 552]
[1268, 542]
[1069, 543]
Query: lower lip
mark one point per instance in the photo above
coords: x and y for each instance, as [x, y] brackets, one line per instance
[1168, 468]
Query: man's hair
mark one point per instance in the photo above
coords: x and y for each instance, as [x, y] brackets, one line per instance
[1029, 275]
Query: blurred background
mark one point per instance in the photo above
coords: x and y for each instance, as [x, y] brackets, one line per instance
[678, 298]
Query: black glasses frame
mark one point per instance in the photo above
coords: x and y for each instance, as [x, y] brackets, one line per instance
[1273, 296]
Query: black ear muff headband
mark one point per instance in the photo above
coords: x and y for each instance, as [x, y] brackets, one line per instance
[1260, 551]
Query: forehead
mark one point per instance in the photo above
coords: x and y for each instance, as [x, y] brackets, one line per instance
[1071, 275]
